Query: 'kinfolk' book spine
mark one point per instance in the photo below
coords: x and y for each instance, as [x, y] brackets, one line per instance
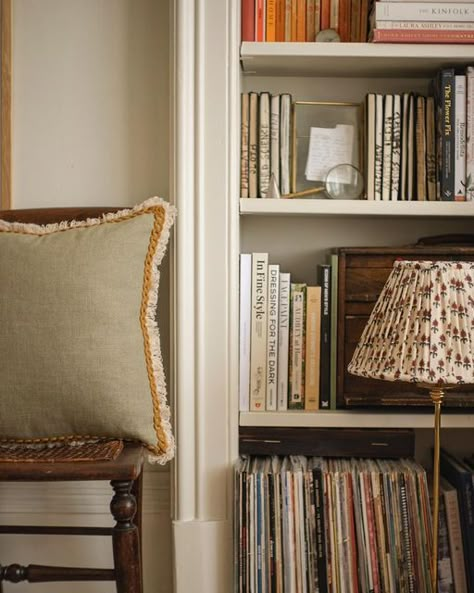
[324, 280]
[272, 336]
[258, 348]
[424, 11]
[283, 341]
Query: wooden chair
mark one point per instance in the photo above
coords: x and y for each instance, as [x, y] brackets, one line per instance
[124, 474]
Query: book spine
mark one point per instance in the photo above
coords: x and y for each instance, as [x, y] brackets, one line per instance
[310, 20]
[324, 273]
[364, 19]
[426, 25]
[283, 341]
[258, 344]
[387, 147]
[285, 118]
[245, 320]
[297, 329]
[264, 144]
[460, 138]
[424, 11]
[354, 18]
[379, 117]
[396, 147]
[244, 146]
[470, 133]
[280, 20]
[313, 345]
[248, 20]
[345, 20]
[325, 14]
[317, 17]
[253, 145]
[370, 144]
[270, 23]
[294, 20]
[334, 299]
[447, 134]
[420, 36]
[300, 20]
[420, 136]
[334, 15]
[275, 138]
[404, 149]
[455, 540]
[272, 336]
[411, 149]
[259, 20]
[430, 149]
[288, 6]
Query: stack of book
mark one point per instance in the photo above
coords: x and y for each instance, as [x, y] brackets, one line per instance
[304, 20]
[288, 334]
[308, 525]
[264, 143]
[401, 21]
[422, 148]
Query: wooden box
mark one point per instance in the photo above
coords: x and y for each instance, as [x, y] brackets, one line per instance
[361, 276]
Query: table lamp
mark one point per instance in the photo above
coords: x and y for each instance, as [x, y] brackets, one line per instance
[421, 331]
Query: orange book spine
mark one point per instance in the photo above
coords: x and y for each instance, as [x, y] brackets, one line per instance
[313, 347]
[325, 14]
[355, 20]
[271, 20]
[301, 20]
[345, 20]
[259, 20]
[280, 20]
[364, 20]
[310, 23]
[294, 20]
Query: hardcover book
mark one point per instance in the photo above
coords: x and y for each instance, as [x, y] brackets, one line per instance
[245, 321]
[264, 144]
[460, 138]
[297, 346]
[313, 345]
[244, 146]
[470, 133]
[283, 341]
[324, 280]
[258, 348]
[272, 336]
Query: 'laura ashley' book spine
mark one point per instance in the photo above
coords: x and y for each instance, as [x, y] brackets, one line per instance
[285, 117]
[324, 280]
[424, 11]
[313, 346]
[258, 348]
[470, 133]
[297, 329]
[387, 147]
[244, 146]
[430, 149]
[264, 144]
[283, 340]
[378, 145]
[396, 146]
[275, 138]
[272, 336]
[426, 25]
[460, 138]
[253, 145]
[245, 318]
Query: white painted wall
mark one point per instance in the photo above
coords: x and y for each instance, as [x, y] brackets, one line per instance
[90, 123]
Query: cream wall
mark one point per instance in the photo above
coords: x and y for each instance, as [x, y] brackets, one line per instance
[90, 126]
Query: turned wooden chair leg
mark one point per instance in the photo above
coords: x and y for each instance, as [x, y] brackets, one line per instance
[125, 540]
[137, 491]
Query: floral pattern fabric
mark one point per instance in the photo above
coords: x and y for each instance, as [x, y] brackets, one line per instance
[421, 329]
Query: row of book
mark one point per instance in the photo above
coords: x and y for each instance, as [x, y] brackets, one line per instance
[288, 334]
[328, 525]
[264, 143]
[422, 22]
[304, 20]
[422, 148]
[322, 525]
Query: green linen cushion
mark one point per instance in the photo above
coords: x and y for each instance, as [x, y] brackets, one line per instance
[79, 343]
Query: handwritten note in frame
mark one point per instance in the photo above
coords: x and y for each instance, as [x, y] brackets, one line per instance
[325, 134]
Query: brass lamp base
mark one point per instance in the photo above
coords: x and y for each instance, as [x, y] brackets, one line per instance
[437, 395]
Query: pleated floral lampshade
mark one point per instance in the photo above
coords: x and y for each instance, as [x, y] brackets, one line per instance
[421, 329]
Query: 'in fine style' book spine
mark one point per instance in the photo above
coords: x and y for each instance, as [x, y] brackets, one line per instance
[258, 351]
[245, 320]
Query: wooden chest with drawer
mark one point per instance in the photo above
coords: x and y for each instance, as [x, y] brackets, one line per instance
[362, 273]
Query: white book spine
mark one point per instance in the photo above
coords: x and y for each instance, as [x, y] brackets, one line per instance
[275, 138]
[424, 11]
[396, 147]
[378, 145]
[258, 344]
[283, 340]
[296, 398]
[245, 319]
[285, 116]
[264, 144]
[460, 138]
[370, 107]
[387, 147]
[272, 336]
[470, 133]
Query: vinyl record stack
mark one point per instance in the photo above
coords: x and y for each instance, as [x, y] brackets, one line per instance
[403, 21]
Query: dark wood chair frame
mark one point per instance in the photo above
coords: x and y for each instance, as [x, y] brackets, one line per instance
[124, 474]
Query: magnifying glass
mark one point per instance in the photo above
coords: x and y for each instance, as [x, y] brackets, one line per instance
[343, 182]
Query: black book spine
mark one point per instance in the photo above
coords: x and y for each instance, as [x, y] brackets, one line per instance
[324, 279]
[447, 136]
[320, 530]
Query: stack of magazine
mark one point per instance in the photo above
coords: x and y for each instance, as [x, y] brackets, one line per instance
[318, 525]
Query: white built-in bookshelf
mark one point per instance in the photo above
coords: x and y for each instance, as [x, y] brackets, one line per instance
[298, 233]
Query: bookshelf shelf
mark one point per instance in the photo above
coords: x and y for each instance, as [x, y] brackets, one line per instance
[354, 208]
[355, 419]
[351, 59]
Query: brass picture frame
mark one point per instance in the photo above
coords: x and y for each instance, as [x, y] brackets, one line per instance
[322, 114]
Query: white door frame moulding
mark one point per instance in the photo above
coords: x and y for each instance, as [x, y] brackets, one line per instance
[205, 66]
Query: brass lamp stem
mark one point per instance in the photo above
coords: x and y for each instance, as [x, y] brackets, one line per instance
[437, 395]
